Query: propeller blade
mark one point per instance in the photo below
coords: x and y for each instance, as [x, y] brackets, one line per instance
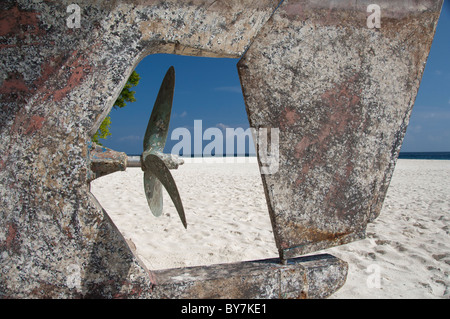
[154, 165]
[158, 125]
[153, 193]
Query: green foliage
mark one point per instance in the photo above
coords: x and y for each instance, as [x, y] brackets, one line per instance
[125, 96]
[103, 131]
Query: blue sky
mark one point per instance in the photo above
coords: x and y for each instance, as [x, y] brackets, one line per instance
[429, 126]
[208, 89]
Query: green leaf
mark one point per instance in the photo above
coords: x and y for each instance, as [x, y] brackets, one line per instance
[126, 96]
[103, 131]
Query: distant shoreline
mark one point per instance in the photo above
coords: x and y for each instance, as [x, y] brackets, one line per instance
[425, 155]
[403, 155]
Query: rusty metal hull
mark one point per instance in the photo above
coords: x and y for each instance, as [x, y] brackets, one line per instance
[301, 278]
[341, 94]
[57, 84]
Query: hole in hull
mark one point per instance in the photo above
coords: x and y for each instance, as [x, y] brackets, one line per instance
[223, 198]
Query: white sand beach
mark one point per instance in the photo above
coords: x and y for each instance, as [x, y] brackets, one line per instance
[406, 253]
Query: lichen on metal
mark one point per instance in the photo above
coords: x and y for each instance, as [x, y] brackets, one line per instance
[316, 276]
[342, 92]
[339, 89]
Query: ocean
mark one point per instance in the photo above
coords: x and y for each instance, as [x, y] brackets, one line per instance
[425, 155]
[403, 155]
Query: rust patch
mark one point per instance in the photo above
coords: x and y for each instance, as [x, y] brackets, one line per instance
[35, 124]
[14, 83]
[17, 23]
[309, 234]
[80, 68]
[27, 124]
[303, 295]
[12, 232]
[14, 88]
[67, 231]
[289, 118]
[129, 291]
[342, 103]
[12, 242]
[44, 290]
[48, 69]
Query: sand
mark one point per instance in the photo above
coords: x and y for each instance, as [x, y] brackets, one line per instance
[406, 253]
